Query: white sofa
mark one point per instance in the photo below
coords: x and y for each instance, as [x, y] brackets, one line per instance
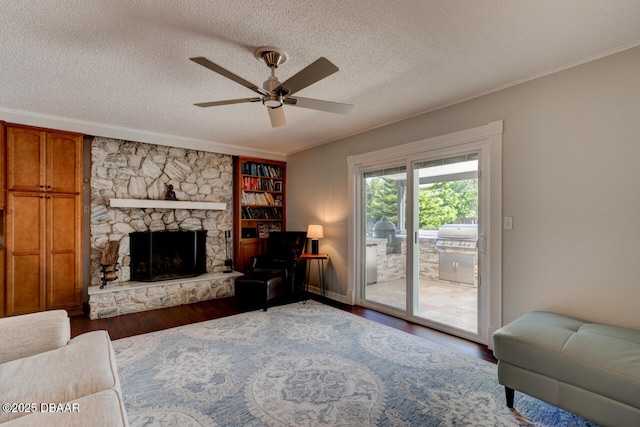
[46, 379]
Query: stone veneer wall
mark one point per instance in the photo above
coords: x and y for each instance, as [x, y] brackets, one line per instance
[392, 266]
[134, 170]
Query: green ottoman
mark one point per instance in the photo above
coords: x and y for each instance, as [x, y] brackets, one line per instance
[590, 369]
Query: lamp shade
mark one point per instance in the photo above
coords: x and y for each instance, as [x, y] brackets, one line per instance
[315, 232]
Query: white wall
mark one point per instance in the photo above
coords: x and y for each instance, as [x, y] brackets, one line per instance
[571, 181]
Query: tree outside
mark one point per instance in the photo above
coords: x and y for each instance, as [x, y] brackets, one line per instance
[382, 199]
[439, 203]
[444, 202]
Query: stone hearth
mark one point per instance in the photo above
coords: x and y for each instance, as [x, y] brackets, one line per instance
[132, 297]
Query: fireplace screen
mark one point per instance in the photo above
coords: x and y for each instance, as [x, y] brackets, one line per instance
[163, 255]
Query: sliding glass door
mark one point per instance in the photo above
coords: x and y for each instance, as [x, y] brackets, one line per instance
[385, 243]
[446, 222]
[429, 269]
[425, 231]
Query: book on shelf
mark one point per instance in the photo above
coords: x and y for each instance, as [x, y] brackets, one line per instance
[264, 228]
[261, 213]
[261, 184]
[265, 199]
[261, 169]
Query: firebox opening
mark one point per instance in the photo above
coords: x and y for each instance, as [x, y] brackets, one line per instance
[164, 255]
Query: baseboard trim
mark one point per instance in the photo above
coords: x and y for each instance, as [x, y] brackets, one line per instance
[345, 299]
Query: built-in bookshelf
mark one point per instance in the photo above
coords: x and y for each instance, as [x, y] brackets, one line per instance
[259, 206]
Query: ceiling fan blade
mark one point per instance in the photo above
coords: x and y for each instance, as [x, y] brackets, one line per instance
[317, 104]
[315, 71]
[277, 117]
[228, 74]
[227, 102]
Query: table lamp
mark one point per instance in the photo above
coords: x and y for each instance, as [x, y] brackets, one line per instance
[314, 232]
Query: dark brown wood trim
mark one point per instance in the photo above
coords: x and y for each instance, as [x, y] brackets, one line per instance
[155, 320]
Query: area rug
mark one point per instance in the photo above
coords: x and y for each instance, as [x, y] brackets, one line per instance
[312, 365]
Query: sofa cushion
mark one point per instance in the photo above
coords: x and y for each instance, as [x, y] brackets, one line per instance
[34, 333]
[104, 408]
[83, 367]
[602, 359]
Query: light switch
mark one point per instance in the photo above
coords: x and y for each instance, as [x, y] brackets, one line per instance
[507, 223]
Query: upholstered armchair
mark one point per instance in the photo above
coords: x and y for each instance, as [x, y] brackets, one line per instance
[272, 276]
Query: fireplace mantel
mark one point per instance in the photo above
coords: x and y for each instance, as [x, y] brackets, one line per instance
[165, 204]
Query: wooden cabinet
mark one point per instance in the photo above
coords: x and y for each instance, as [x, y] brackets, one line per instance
[43, 221]
[259, 206]
[2, 185]
[2, 197]
[63, 249]
[26, 257]
[2, 286]
[38, 160]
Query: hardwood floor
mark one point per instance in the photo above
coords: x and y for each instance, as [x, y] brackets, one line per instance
[155, 320]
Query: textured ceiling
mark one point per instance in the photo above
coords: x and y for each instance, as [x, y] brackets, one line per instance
[125, 64]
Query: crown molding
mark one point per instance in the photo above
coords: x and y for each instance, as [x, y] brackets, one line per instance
[129, 134]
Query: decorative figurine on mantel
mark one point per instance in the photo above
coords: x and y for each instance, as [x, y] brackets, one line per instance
[171, 195]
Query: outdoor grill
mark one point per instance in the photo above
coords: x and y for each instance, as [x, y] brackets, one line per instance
[456, 246]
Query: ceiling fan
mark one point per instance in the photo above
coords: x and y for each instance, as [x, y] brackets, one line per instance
[274, 94]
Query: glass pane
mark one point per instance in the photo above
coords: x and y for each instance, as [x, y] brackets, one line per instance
[385, 254]
[448, 261]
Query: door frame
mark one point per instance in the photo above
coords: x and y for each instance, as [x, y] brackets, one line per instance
[488, 140]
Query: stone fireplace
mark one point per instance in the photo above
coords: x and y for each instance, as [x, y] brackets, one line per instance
[165, 255]
[133, 170]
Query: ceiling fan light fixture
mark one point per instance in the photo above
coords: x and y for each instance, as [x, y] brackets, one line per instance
[274, 94]
[272, 100]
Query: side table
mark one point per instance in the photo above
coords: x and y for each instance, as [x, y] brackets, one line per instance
[319, 259]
